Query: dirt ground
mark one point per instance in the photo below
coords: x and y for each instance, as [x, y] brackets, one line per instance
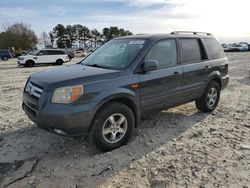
[179, 147]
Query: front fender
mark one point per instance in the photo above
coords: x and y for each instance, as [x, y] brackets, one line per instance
[119, 93]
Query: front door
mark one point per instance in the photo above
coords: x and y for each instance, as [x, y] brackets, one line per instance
[160, 88]
[42, 56]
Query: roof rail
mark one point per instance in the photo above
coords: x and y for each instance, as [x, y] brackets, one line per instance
[189, 32]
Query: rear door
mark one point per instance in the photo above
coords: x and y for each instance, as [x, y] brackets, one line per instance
[52, 56]
[196, 67]
[160, 88]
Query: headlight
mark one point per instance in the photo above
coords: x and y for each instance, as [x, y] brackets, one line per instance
[67, 94]
[21, 58]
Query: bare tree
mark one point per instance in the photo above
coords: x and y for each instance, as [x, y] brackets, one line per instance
[45, 39]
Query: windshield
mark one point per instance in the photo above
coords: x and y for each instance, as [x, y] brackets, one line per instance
[117, 54]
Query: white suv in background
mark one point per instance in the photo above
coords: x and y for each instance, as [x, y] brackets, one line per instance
[44, 56]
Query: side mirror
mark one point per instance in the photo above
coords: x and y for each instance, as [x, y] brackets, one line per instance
[149, 65]
[40, 53]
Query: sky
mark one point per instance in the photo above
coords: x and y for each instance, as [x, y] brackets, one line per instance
[227, 19]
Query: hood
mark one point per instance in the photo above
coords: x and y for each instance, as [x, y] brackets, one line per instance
[70, 75]
[25, 56]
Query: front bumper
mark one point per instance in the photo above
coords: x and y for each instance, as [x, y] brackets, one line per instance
[67, 120]
[20, 62]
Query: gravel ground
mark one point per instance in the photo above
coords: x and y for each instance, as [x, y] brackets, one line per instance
[179, 147]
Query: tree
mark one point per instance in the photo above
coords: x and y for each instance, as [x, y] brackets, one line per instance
[52, 38]
[60, 35]
[113, 32]
[18, 35]
[82, 36]
[45, 39]
[106, 34]
[71, 33]
[96, 36]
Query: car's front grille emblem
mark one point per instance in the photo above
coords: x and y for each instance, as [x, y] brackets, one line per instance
[33, 90]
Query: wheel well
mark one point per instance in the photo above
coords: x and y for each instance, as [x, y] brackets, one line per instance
[59, 60]
[128, 102]
[30, 60]
[218, 81]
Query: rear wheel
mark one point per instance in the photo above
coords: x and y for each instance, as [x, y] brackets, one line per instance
[112, 126]
[210, 98]
[29, 63]
[59, 62]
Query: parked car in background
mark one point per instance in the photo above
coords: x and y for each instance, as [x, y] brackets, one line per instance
[5, 55]
[244, 46]
[80, 53]
[50, 56]
[106, 94]
[239, 47]
[226, 47]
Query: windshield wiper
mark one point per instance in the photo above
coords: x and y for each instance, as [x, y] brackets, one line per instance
[96, 65]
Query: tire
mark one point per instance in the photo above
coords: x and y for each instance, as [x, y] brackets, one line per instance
[5, 58]
[29, 63]
[107, 135]
[210, 98]
[59, 62]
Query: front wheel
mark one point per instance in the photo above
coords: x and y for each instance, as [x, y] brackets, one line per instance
[29, 63]
[5, 58]
[210, 98]
[113, 126]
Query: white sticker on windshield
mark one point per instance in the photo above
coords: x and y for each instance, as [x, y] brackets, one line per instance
[136, 42]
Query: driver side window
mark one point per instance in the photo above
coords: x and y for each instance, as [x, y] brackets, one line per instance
[164, 52]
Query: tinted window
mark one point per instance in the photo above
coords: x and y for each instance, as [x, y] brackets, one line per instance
[164, 52]
[214, 49]
[191, 50]
[55, 52]
[60, 52]
[43, 52]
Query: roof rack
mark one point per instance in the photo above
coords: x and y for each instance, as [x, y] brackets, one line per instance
[189, 32]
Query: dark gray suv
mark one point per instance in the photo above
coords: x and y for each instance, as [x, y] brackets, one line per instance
[106, 94]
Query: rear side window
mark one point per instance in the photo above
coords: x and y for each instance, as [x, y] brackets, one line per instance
[214, 49]
[164, 52]
[60, 52]
[192, 50]
[55, 52]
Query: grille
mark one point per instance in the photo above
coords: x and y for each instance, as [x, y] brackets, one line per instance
[33, 90]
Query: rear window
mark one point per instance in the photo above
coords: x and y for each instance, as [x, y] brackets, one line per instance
[191, 50]
[214, 49]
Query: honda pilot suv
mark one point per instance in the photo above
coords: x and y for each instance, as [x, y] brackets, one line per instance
[105, 95]
[45, 56]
